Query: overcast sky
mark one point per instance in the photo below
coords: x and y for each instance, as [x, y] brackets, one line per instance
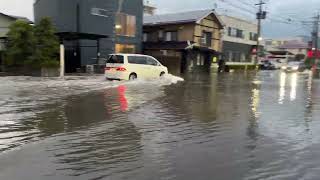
[280, 10]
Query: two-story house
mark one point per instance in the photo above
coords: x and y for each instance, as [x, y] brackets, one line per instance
[239, 40]
[186, 41]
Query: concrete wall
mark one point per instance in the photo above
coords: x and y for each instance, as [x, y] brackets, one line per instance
[64, 15]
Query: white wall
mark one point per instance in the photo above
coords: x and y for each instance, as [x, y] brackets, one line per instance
[241, 24]
[5, 22]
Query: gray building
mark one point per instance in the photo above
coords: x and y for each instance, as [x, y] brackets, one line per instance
[95, 28]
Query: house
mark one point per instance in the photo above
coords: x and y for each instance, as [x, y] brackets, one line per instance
[295, 45]
[148, 8]
[239, 40]
[5, 22]
[186, 41]
[91, 30]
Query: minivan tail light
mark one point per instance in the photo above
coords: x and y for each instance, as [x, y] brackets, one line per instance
[121, 69]
[107, 68]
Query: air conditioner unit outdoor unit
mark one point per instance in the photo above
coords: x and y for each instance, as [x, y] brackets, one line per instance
[90, 69]
[203, 41]
[164, 52]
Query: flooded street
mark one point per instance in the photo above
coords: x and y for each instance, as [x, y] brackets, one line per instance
[229, 126]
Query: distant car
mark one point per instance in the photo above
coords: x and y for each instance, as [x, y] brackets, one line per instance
[294, 66]
[133, 66]
[279, 63]
[267, 65]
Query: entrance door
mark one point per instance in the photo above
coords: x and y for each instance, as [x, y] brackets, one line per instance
[72, 59]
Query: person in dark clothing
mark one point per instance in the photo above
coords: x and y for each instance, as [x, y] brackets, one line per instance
[222, 64]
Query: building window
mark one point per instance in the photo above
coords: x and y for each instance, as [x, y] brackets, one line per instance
[145, 37]
[206, 39]
[234, 32]
[125, 25]
[99, 12]
[160, 35]
[172, 36]
[125, 48]
[253, 36]
[243, 57]
[236, 56]
[240, 33]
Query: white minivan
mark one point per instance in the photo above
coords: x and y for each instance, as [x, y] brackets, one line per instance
[133, 66]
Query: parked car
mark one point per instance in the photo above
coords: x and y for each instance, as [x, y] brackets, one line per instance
[278, 63]
[267, 65]
[133, 66]
[294, 66]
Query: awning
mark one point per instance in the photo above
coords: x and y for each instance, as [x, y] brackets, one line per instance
[169, 45]
[78, 36]
[177, 45]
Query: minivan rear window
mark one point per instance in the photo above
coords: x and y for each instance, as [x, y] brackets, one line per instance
[116, 59]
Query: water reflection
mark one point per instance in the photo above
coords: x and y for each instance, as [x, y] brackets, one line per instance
[282, 91]
[293, 86]
[255, 102]
[122, 98]
[227, 126]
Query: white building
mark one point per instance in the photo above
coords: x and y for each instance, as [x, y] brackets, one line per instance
[5, 22]
[239, 40]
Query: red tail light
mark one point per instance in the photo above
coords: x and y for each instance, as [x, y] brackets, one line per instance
[121, 69]
[107, 68]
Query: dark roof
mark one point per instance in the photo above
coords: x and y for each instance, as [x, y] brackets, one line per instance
[78, 36]
[177, 18]
[17, 18]
[294, 45]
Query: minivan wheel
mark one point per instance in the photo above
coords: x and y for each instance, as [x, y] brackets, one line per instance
[162, 74]
[132, 77]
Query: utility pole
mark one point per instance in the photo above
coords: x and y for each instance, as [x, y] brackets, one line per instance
[315, 33]
[315, 44]
[260, 15]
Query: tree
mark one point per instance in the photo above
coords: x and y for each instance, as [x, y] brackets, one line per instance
[47, 44]
[21, 43]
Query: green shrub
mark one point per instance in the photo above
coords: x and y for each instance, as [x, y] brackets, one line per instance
[32, 46]
[50, 64]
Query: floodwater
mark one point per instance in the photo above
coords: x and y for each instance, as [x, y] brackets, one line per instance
[229, 126]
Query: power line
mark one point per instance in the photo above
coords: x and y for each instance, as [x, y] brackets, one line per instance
[238, 7]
